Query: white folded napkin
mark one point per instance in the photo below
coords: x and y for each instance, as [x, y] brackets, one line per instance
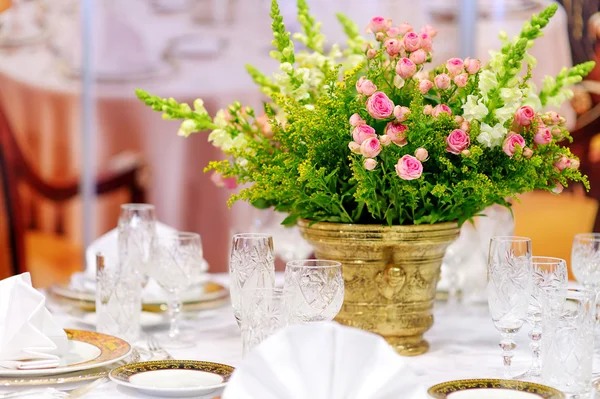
[29, 337]
[323, 361]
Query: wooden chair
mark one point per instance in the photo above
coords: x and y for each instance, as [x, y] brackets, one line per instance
[50, 257]
[551, 221]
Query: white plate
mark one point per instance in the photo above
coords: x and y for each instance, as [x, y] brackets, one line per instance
[173, 378]
[487, 393]
[87, 350]
[147, 319]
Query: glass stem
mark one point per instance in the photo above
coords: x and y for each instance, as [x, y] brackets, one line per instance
[535, 335]
[508, 345]
[175, 305]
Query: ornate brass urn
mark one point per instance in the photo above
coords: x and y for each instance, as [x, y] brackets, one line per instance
[390, 275]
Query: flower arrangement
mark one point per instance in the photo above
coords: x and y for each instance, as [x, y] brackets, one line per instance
[371, 134]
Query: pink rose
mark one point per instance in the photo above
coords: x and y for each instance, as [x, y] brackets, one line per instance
[461, 80]
[363, 132]
[380, 36]
[379, 106]
[466, 126]
[557, 132]
[385, 140]
[409, 168]
[370, 163]
[226, 182]
[371, 53]
[466, 153]
[370, 148]
[427, 110]
[419, 56]
[459, 119]
[397, 133]
[543, 136]
[392, 47]
[365, 86]
[442, 81]
[426, 42]
[378, 24]
[425, 85]
[574, 164]
[422, 154]
[511, 140]
[411, 41]
[401, 113]
[552, 117]
[527, 153]
[457, 141]
[393, 32]
[562, 163]
[558, 188]
[524, 115]
[430, 30]
[354, 147]
[438, 109]
[472, 65]
[356, 120]
[454, 66]
[405, 68]
[404, 28]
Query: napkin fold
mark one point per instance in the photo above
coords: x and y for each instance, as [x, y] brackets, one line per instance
[29, 337]
[323, 361]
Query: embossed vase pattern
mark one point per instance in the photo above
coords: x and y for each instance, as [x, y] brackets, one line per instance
[390, 275]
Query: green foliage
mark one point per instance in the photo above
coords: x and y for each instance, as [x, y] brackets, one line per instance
[296, 157]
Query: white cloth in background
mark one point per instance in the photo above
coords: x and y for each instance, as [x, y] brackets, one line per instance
[323, 361]
[29, 337]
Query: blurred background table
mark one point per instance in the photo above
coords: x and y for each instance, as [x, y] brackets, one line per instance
[42, 103]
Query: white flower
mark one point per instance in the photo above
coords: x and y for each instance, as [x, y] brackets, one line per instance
[220, 118]
[187, 127]
[511, 95]
[474, 109]
[531, 60]
[286, 67]
[487, 82]
[199, 106]
[492, 136]
[240, 141]
[496, 61]
[531, 98]
[220, 139]
[507, 112]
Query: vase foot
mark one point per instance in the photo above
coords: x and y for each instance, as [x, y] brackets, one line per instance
[408, 346]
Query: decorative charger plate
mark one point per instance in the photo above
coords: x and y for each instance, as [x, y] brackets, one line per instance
[493, 389]
[87, 350]
[68, 378]
[214, 295]
[173, 378]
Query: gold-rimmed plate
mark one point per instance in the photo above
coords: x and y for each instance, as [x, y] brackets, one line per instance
[86, 350]
[493, 389]
[211, 296]
[173, 378]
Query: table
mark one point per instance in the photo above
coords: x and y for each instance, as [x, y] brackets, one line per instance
[464, 344]
[43, 104]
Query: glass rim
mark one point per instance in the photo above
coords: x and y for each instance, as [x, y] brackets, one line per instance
[510, 238]
[137, 207]
[252, 235]
[306, 263]
[549, 260]
[588, 236]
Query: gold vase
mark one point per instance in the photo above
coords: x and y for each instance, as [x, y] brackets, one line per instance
[390, 275]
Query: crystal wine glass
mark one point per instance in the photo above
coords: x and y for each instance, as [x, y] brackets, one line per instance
[548, 277]
[251, 265]
[585, 260]
[509, 276]
[317, 289]
[177, 265]
[136, 230]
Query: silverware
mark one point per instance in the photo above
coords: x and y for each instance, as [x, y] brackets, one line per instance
[156, 349]
[79, 392]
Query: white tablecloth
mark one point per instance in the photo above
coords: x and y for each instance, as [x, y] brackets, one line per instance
[464, 344]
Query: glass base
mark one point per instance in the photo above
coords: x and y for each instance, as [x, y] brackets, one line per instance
[530, 376]
[183, 341]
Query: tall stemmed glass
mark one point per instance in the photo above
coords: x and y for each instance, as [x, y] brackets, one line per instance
[317, 289]
[585, 260]
[509, 277]
[251, 265]
[136, 231]
[549, 277]
[177, 265]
